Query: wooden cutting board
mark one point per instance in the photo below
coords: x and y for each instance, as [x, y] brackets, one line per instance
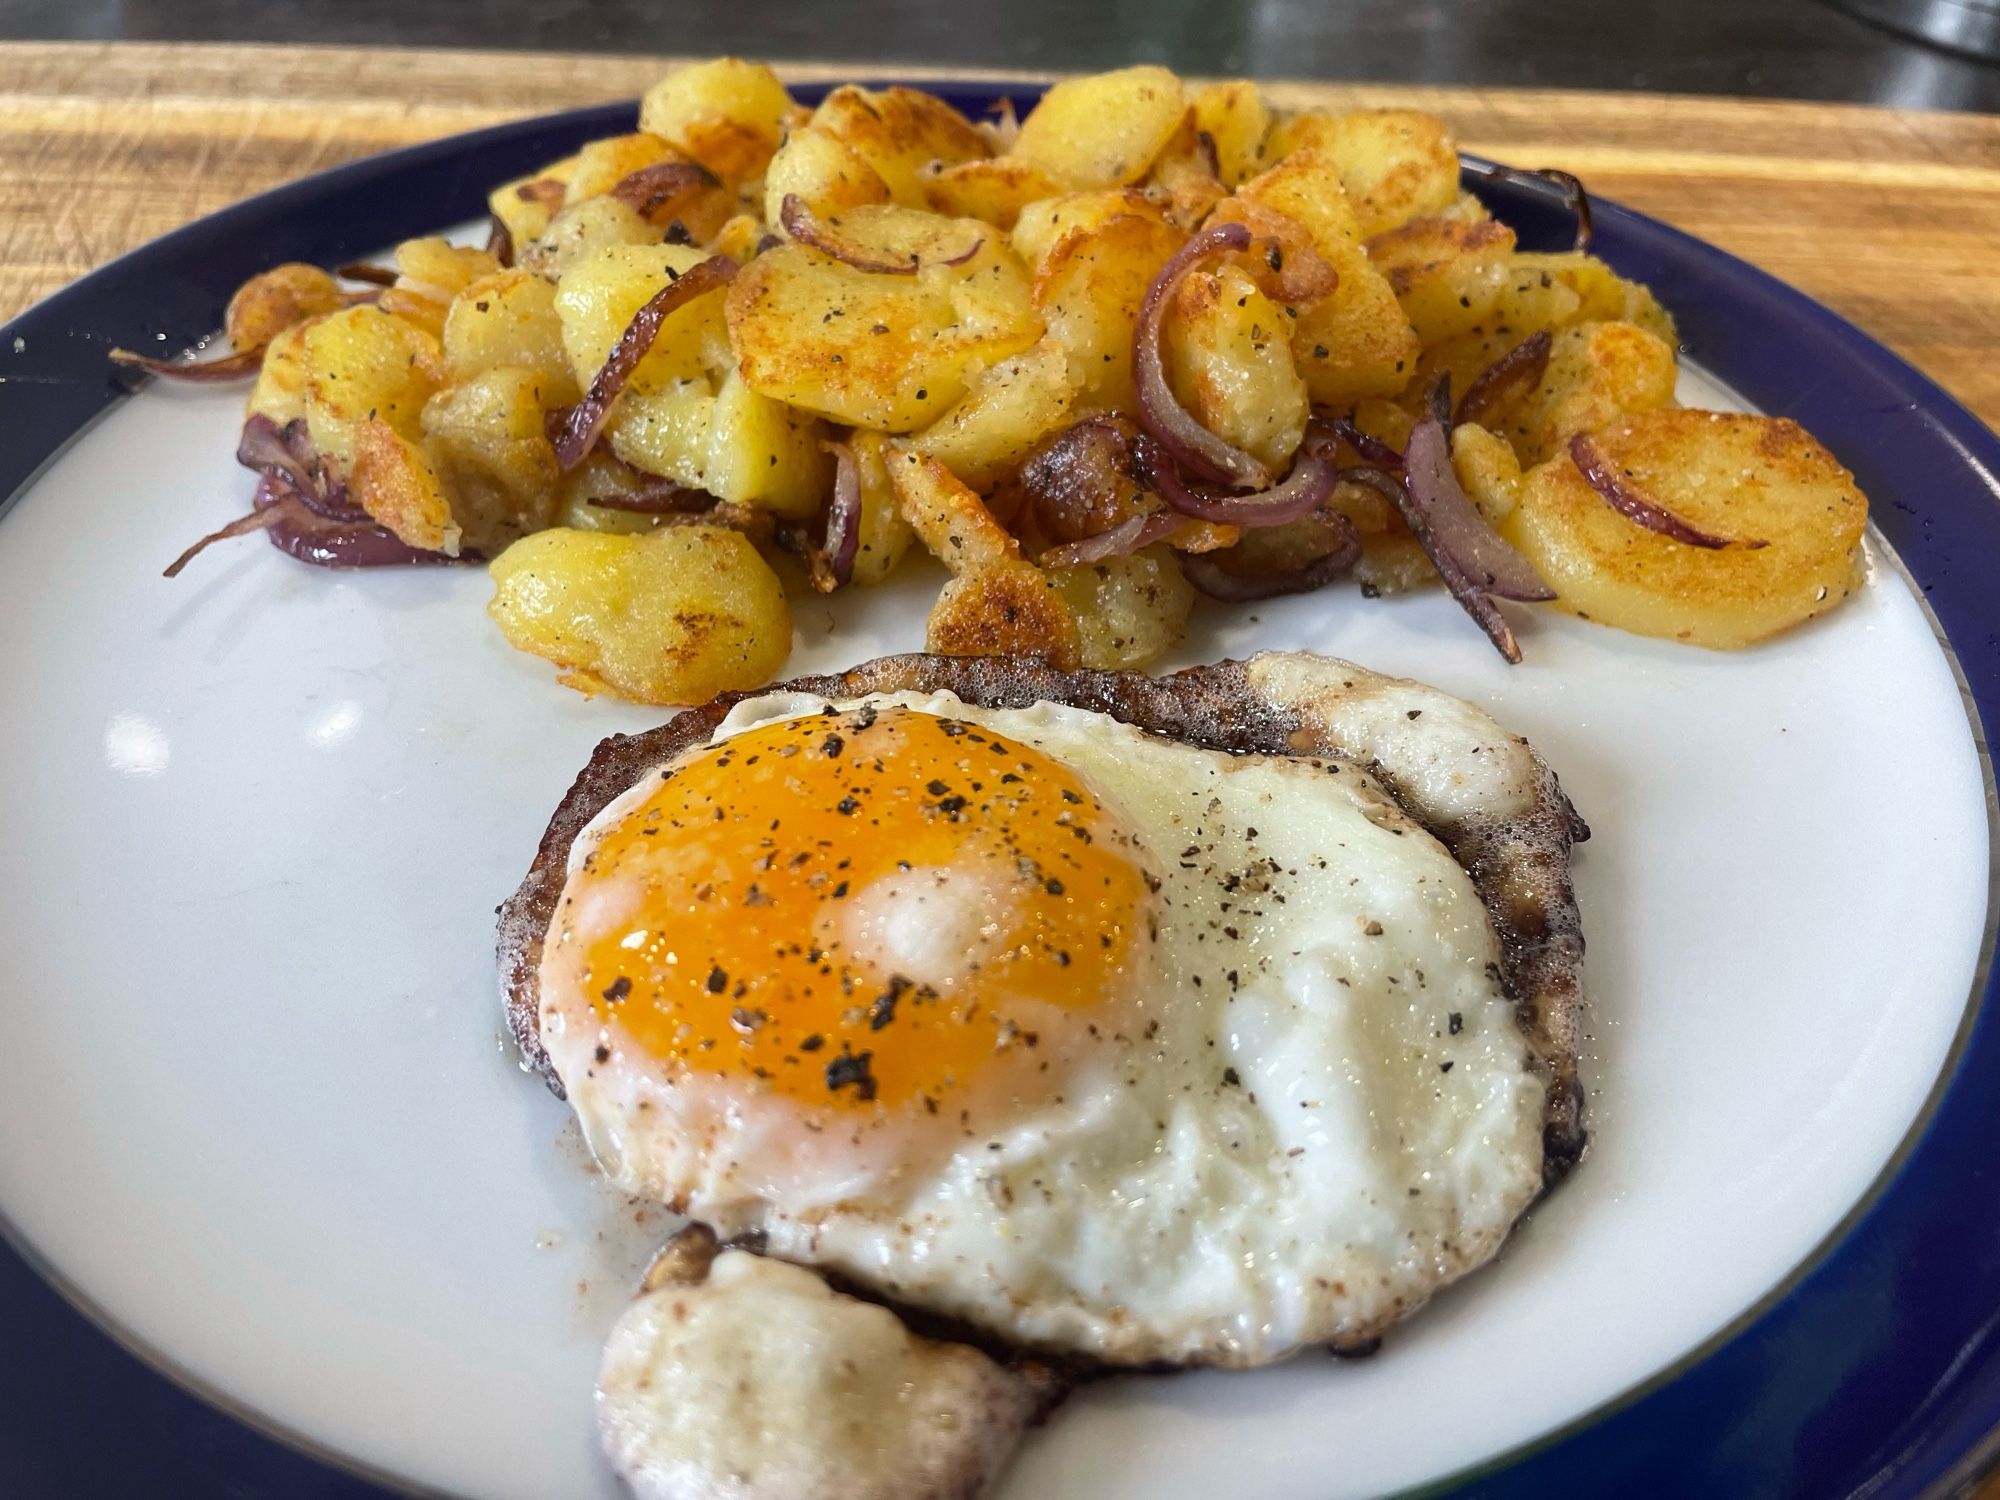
[1891, 217]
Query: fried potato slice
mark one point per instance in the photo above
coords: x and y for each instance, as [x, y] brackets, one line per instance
[727, 114]
[1128, 610]
[903, 134]
[1358, 341]
[280, 391]
[1009, 408]
[1236, 119]
[393, 479]
[273, 301]
[487, 439]
[581, 230]
[1088, 291]
[823, 172]
[1007, 608]
[364, 364]
[526, 204]
[993, 190]
[888, 352]
[1044, 224]
[1746, 478]
[946, 514]
[509, 320]
[1229, 359]
[673, 616]
[1396, 164]
[1104, 130]
[886, 538]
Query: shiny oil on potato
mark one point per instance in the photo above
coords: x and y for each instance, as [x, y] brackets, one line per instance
[669, 616]
[1749, 479]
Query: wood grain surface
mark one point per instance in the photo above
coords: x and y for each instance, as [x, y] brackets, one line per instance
[1892, 217]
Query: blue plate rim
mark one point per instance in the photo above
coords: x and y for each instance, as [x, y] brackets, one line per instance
[54, 355]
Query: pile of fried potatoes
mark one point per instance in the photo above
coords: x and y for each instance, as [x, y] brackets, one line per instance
[981, 303]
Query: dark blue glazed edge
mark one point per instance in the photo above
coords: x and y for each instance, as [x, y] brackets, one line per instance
[1871, 1372]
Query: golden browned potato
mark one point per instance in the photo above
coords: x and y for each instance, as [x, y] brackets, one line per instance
[947, 515]
[901, 133]
[393, 479]
[429, 273]
[487, 439]
[1356, 342]
[598, 476]
[1089, 289]
[509, 319]
[886, 537]
[1009, 608]
[581, 230]
[1396, 164]
[826, 174]
[1745, 479]
[889, 352]
[1235, 117]
[1597, 373]
[363, 363]
[597, 299]
[993, 190]
[1229, 358]
[1045, 223]
[1185, 176]
[1393, 563]
[525, 205]
[275, 300]
[602, 164]
[1104, 130]
[1487, 469]
[280, 391]
[675, 615]
[1010, 407]
[1603, 295]
[1128, 610]
[727, 114]
[726, 439]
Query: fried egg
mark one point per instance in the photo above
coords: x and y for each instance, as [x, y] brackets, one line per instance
[1100, 1042]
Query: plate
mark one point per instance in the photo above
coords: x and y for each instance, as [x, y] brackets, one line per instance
[262, 1128]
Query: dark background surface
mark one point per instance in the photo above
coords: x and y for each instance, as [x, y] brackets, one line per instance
[1800, 49]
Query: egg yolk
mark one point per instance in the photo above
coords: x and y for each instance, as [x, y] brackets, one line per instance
[867, 909]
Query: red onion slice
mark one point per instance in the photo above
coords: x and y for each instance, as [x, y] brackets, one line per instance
[843, 515]
[1342, 429]
[1211, 578]
[240, 365]
[361, 270]
[1514, 373]
[662, 186]
[256, 520]
[1633, 503]
[803, 225]
[499, 240]
[1189, 444]
[660, 498]
[1128, 536]
[1468, 554]
[284, 515]
[1302, 491]
[1450, 518]
[585, 421]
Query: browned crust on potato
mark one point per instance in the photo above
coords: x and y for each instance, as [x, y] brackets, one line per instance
[1520, 865]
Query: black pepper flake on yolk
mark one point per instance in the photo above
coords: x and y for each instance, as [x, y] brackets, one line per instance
[731, 953]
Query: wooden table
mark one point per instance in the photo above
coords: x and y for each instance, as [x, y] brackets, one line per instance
[1890, 216]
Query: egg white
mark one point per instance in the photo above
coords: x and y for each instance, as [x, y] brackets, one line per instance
[1320, 1110]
